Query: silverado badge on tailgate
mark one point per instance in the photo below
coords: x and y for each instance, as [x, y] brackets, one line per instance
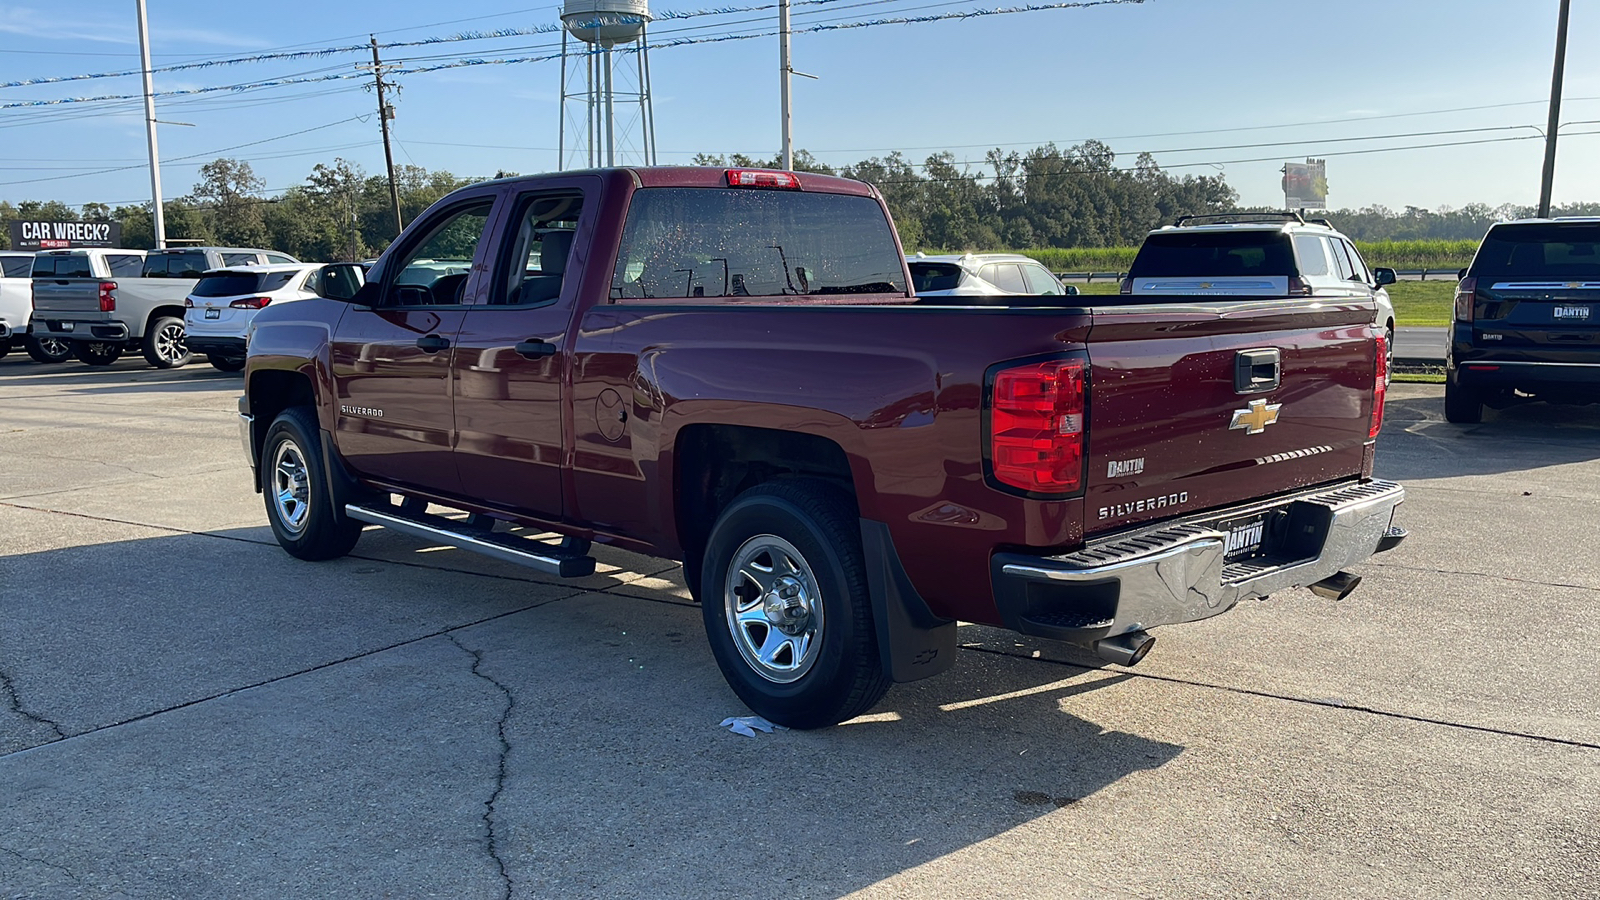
[1255, 418]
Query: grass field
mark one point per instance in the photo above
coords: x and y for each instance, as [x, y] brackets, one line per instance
[1417, 304]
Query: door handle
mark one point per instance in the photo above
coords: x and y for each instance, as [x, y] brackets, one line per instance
[432, 343]
[533, 348]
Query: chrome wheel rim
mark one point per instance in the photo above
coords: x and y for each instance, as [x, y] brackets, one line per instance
[170, 343]
[1388, 357]
[55, 347]
[291, 487]
[773, 608]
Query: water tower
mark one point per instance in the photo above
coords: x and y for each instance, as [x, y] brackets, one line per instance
[606, 117]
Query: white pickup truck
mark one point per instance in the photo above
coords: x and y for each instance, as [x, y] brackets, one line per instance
[106, 301]
[16, 310]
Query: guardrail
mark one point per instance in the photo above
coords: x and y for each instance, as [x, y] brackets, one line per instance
[1406, 274]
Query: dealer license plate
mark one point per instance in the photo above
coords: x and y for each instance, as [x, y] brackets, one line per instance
[1244, 537]
[1572, 312]
[213, 313]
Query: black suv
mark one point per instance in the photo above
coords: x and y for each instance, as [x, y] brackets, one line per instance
[1527, 320]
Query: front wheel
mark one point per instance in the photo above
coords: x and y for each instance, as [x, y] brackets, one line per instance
[164, 343]
[49, 350]
[294, 482]
[226, 363]
[786, 605]
[96, 353]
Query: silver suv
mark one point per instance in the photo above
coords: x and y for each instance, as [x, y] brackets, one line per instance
[982, 275]
[1259, 255]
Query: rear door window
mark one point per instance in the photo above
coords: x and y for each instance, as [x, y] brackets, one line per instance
[239, 259]
[692, 243]
[1179, 254]
[125, 265]
[1313, 255]
[1005, 276]
[536, 265]
[1540, 251]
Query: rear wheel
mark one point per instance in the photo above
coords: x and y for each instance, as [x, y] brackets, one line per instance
[786, 605]
[294, 483]
[164, 345]
[226, 363]
[96, 353]
[5, 347]
[1463, 406]
[49, 350]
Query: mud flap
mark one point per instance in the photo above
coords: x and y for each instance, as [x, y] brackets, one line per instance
[913, 642]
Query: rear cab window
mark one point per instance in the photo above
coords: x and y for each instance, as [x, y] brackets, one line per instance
[1179, 254]
[74, 265]
[1554, 251]
[188, 264]
[703, 243]
[16, 266]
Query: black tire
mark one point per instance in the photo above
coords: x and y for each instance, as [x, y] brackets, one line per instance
[294, 484]
[1462, 406]
[1388, 350]
[164, 345]
[5, 347]
[226, 363]
[808, 534]
[96, 353]
[48, 350]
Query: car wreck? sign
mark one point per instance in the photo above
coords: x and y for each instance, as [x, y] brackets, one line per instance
[36, 235]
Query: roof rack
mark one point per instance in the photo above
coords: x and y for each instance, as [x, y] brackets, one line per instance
[1241, 217]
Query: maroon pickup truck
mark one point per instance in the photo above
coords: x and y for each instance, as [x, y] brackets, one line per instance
[728, 367]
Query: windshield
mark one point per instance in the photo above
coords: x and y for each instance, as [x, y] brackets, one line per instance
[732, 242]
[1193, 254]
[1540, 251]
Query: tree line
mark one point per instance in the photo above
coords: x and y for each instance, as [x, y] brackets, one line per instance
[1047, 197]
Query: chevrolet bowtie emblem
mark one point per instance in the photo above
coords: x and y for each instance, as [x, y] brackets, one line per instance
[1574, 285]
[1256, 417]
[1205, 285]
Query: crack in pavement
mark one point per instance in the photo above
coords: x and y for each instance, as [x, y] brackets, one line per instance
[41, 862]
[14, 701]
[1511, 578]
[492, 843]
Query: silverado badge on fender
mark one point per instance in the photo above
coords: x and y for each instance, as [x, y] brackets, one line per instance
[1255, 418]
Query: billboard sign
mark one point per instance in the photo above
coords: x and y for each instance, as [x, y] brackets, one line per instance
[1305, 185]
[32, 234]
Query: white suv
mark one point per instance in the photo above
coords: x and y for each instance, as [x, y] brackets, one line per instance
[1259, 255]
[218, 311]
[982, 275]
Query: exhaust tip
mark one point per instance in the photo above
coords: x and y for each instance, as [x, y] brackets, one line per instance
[1125, 649]
[1336, 586]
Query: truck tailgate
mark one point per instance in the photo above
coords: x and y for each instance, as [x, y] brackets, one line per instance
[1184, 415]
[66, 295]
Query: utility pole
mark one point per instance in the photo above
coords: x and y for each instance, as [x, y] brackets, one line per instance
[1548, 181]
[785, 69]
[385, 113]
[158, 217]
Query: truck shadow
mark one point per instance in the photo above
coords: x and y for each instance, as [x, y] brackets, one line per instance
[1417, 442]
[127, 375]
[612, 746]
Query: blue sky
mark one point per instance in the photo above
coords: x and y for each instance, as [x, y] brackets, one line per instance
[1204, 84]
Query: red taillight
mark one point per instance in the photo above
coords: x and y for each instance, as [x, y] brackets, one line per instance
[108, 300]
[749, 178]
[1380, 386]
[250, 302]
[188, 303]
[1298, 288]
[1036, 426]
[1466, 290]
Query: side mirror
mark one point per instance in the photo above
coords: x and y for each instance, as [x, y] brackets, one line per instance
[1461, 274]
[1071, 289]
[1384, 276]
[343, 281]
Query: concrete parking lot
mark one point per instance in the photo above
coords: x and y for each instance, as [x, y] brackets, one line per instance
[186, 711]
